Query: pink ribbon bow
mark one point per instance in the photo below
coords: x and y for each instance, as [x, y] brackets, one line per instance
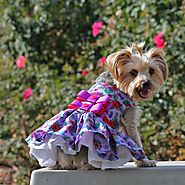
[92, 103]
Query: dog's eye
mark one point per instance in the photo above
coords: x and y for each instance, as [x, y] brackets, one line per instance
[151, 71]
[133, 73]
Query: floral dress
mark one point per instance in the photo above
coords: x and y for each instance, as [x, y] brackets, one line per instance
[92, 120]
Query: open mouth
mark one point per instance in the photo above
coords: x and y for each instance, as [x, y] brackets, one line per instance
[143, 93]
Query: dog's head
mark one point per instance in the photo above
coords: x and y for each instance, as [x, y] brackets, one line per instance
[138, 74]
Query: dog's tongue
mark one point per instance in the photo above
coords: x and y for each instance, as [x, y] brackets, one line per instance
[144, 93]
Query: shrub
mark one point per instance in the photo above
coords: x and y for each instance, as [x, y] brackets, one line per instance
[160, 124]
[62, 57]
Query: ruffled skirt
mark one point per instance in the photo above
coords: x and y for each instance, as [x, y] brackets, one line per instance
[72, 129]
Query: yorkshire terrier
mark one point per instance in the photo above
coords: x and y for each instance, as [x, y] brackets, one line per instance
[139, 75]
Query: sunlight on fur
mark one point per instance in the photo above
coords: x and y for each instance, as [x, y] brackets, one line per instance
[138, 74]
[102, 133]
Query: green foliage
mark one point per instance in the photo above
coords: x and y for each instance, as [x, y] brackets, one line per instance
[55, 36]
[162, 124]
[52, 32]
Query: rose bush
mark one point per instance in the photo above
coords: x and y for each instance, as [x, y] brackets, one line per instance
[55, 55]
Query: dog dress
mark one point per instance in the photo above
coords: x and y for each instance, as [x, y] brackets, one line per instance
[91, 120]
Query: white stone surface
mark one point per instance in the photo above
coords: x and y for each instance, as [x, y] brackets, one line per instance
[166, 173]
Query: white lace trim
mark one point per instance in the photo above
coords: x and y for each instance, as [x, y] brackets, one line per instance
[46, 153]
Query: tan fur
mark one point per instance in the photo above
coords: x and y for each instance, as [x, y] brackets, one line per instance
[78, 161]
[142, 63]
[120, 64]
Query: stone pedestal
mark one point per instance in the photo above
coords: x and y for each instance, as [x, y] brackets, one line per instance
[166, 173]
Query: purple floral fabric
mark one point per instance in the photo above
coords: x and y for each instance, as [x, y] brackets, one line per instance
[71, 125]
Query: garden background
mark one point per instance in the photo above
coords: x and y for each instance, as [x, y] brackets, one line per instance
[51, 49]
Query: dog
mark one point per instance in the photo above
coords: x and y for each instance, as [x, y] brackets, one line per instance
[137, 74]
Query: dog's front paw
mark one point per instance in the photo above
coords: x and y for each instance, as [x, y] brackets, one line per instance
[87, 167]
[146, 163]
[55, 167]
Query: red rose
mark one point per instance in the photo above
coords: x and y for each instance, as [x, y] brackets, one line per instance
[101, 61]
[96, 27]
[84, 72]
[158, 40]
[21, 62]
[27, 93]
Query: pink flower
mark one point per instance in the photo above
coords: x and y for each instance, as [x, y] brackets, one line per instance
[27, 93]
[21, 62]
[158, 40]
[84, 72]
[101, 61]
[96, 27]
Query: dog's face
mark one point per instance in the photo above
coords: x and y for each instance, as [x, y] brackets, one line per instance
[138, 74]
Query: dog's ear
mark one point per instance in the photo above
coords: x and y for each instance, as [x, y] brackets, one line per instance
[157, 55]
[117, 60]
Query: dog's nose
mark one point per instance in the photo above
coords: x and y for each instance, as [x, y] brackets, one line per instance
[145, 85]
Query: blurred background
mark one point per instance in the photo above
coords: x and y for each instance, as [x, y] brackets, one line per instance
[51, 49]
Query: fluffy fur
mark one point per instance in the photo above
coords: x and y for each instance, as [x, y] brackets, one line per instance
[138, 74]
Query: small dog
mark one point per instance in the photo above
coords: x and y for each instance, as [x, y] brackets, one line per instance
[139, 75]
[89, 134]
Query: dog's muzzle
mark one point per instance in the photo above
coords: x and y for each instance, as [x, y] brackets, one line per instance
[144, 89]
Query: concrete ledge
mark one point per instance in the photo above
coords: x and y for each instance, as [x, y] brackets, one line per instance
[166, 173]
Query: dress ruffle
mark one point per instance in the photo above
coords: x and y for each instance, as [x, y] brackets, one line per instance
[70, 129]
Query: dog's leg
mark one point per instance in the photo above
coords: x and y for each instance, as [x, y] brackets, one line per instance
[146, 163]
[72, 162]
[56, 167]
[131, 122]
[87, 167]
